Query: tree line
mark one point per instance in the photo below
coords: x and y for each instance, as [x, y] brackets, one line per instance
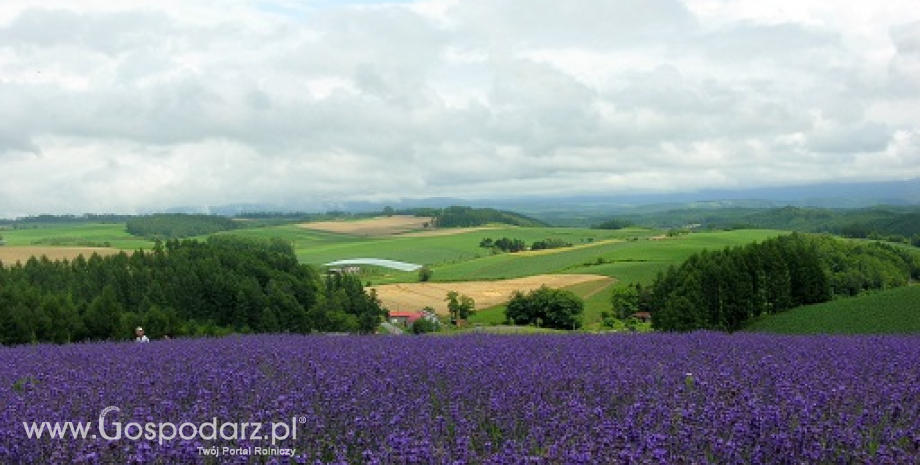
[225, 284]
[178, 225]
[506, 244]
[467, 217]
[33, 222]
[613, 223]
[721, 290]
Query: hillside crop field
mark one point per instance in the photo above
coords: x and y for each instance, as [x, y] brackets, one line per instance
[12, 255]
[639, 259]
[454, 257]
[414, 296]
[67, 241]
[434, 248]
[595, 293]
[627, 255]
[75, 235]
[382, 226]
[892, 311]
[657, 398]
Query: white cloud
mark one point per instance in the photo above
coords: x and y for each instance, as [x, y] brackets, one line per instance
[148, 104]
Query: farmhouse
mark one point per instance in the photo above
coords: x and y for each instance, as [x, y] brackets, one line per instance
[405, 318]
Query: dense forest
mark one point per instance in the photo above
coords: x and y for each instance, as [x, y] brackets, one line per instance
[613, 223]
[723, 289]
[226, 284]
[32, 221]
[178, 225]
[892, 223]
[899, 224]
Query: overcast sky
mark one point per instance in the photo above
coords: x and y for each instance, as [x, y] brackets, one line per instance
[130, 106]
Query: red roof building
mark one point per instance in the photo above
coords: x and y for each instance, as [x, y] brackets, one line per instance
[406, 318]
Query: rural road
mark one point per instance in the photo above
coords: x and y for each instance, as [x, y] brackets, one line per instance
[393, 329]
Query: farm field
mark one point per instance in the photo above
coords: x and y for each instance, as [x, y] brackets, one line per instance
[415, 296]
[67, 241]
[76, 235]
[381, 226]
[628, 261]
[892, 311]
[454, 257]
[595, 293]
[11, 255]
[626, 255]
[656, 398]
[434, 249]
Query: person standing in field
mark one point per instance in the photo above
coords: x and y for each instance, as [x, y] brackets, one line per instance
[139, 335]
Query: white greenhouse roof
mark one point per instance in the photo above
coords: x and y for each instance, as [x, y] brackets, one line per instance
[402, 266]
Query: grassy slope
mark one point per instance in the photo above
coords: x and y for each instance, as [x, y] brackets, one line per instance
[628, 262]
[893, 311]
[459, 258]
[319, 247]
[453, 257]
[74, 234]
[636, 261]
[596, 295]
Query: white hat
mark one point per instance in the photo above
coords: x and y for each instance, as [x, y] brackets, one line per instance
[138, 329]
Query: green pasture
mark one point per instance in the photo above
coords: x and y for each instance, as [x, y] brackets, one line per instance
[74, 235]
[628, 261]
[596, 296]
[892, 311]
[488, 316]
[627, 254]
[317, 248]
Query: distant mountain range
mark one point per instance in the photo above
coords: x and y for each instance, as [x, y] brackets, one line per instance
[839, 195]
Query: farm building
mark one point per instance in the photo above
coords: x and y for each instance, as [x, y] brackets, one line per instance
[393, 264]
[345, 270]
[405, 318]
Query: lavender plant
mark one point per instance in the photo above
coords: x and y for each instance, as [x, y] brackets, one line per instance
[660, 398]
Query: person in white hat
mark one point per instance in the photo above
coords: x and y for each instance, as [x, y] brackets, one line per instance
[139, 335]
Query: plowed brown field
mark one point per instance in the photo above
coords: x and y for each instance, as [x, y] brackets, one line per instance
[415, 296]
[383, 226]
[10, 255]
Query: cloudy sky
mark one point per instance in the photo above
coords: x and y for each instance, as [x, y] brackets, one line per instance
[130, 106]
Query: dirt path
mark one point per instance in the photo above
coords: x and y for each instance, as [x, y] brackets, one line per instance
[602, 286]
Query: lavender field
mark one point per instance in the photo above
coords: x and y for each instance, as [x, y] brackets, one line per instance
[659, 398]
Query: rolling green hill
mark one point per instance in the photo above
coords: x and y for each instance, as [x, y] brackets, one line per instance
[628, 261]
[892, 311]
[626, 254]
[316, 247]
[881, 221]
[631, 255]
[76, 234]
